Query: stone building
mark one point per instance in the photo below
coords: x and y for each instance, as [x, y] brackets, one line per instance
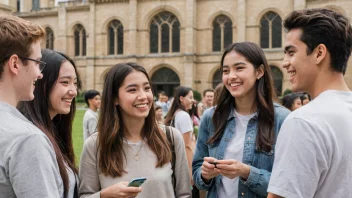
[179, 42]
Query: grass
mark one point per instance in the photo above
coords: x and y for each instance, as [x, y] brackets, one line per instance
[77, 134]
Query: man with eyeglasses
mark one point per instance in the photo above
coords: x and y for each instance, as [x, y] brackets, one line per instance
[28, 166]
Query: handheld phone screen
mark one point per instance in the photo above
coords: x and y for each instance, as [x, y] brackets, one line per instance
[137, 182]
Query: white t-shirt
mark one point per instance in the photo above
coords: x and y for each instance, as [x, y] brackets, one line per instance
[234, 150]
[183, 122]
[90, 121]
[314, 149]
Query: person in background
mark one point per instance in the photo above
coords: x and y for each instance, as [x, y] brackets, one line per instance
[163, 102]
[195, 118]
[179, 118]
[159, 114]
[90, 118]
[305, 98]
[28, 166]
[292, 101]
[313, 157]
[207, 101]
[235, 146]
[131, 144]
[53, 109]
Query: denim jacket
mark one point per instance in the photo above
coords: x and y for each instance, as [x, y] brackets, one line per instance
[260, 162]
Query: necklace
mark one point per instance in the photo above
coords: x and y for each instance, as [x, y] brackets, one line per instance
[136, 155]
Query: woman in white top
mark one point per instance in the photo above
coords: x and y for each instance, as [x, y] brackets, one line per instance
[53, 109]
[130, 144]
[179, 118]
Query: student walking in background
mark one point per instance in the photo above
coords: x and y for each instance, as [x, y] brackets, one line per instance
[53, 109]
[313, 157]
[130, 143]
[179, 118]
[292, 101]
[236, 140]
[28, 166]
[90, 119]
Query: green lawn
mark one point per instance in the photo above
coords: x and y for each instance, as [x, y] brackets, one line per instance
[77, 134]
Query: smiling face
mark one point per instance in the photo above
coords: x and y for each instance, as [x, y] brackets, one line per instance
[239, 75]
[29, 74]
[187, 100]
[209, 97]
[135, 96]
[64, 90]
[301, 68]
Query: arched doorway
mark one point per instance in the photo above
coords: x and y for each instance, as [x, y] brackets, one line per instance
[216, 78]
[165, 80]
[277, 77]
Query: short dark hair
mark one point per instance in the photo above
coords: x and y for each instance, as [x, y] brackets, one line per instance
[90, 94]
[323, 26]
[289, 99]
[206, 91]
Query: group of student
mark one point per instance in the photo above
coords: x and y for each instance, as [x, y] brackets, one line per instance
[247, 146]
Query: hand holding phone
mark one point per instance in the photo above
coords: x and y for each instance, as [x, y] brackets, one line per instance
[137, 182]
[214, 163]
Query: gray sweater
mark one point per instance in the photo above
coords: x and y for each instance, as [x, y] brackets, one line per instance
[158, 183]
[28, 166]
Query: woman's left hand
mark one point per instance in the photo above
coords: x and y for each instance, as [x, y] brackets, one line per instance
[232, 168]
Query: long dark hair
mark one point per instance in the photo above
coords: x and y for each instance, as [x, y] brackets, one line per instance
[264, 98]
[59, 129]
[111, 125]
[176, 104]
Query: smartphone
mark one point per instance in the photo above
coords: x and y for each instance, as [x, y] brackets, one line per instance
[214, 162]
[137, 182]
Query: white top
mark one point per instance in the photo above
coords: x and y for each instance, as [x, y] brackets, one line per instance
[90, 122]
[183, 122]
[313, 151]
[229, 187]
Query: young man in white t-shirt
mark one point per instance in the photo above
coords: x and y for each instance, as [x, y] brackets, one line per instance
[313, 151]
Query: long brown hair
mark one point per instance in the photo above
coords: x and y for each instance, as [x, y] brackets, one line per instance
[264, 98]
[110, 125]
[176, 104]
[59, 129]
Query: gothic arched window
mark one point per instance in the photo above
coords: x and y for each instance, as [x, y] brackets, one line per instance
[80, 40]
[277, 77]
[166, 80]
[164, 33]
[49, 38]
[271, 31]
[217, 78]
[222, 33]
[115, 37]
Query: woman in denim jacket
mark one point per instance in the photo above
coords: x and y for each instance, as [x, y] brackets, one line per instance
[235, 148]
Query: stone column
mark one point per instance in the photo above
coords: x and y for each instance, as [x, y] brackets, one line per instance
[299, 4]
[189, 43]
[61, 39]
[130, 44]
[240, 21]
[90, 67]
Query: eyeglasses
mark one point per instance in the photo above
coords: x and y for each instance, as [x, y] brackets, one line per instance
[41, 64]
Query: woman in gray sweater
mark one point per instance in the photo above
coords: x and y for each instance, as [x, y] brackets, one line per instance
[130, 143]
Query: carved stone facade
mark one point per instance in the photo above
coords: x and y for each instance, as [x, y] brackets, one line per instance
[193, 62]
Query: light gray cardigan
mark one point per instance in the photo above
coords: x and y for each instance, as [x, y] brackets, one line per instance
[159, 181]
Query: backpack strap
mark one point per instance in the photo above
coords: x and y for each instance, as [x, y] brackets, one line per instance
[170, 138]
